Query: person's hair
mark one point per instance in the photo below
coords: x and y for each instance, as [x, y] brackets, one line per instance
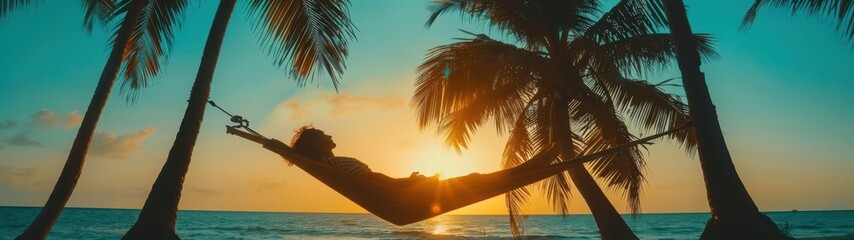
[304, 144]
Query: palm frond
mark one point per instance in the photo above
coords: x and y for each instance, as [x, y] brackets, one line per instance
[557, 191]
[503, 104]
[463, 84]
[100, 11]
[603, 128]
[150, 42]
[441, 7]
[531, 21]
[842, 11]
[653, 109]
[510, 16]
[628, 18]
[622, 171]
[532, 133]
[517, 149]
[541, 130]
[515, 201]
[634, 55]
[306, 33]
[96, 11]
[645, 103]
[7, 6]
[519, 146]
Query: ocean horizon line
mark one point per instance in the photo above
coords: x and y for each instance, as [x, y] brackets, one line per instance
[113, 223]
[356, 213]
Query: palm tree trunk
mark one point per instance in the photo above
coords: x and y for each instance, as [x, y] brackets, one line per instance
[41, 225]
[611, 225]
[734, 214]
[158, 216]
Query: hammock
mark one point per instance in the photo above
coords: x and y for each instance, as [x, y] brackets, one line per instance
[403, 201]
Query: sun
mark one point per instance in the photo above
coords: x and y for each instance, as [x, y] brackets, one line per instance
[431, 159]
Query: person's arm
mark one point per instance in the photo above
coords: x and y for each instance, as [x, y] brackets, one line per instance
[277, 146]
[246, 135]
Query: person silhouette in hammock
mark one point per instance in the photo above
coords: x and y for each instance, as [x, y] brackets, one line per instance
[317, 145]
[407, 200]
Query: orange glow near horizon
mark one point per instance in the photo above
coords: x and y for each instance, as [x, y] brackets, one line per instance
[429, 159]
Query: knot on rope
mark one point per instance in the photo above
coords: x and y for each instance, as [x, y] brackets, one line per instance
[239, 120]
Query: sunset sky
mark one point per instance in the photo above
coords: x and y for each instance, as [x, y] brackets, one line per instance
[782, 91]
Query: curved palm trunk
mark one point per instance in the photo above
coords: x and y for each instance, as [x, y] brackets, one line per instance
[611, 225]
[41, 225]
[158, 216]
[734, 214]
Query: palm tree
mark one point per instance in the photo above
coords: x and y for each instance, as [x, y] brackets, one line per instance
[566, 85]
[303, 33]
[137, 48]
[734, 214]
[841, 10]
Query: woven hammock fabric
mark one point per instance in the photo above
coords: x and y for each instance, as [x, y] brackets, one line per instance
[403, 201]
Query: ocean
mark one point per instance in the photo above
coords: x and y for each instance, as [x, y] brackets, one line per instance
[93, 223]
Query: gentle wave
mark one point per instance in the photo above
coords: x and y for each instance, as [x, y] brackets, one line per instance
[428, 235]
[247, 229]
[424, 235]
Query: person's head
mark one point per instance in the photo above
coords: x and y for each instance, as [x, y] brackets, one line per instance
[313, 143]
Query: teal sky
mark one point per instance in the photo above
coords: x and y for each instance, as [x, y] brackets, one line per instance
[782, 91]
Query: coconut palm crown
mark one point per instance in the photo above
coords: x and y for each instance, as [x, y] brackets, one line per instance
[567, 48]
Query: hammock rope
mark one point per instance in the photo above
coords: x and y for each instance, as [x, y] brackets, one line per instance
[403, 201]
[237, 119]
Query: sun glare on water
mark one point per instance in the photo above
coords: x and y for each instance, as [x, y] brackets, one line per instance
[440, 229]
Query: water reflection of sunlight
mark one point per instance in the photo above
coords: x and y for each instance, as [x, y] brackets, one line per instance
[440, 229]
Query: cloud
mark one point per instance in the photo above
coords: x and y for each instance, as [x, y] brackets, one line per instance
[22, 139]
[404, 145]
[118, 147]
[299, 110]
[204, 191]
[344, 103]
[46, 118]
[266, 184]
[19, 177]
[8, 124]
[137, 192]
[72, 120]
[323, 105]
